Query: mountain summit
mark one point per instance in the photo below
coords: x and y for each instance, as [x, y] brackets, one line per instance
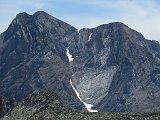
[33, 57]
[112, 67]
[116, 69]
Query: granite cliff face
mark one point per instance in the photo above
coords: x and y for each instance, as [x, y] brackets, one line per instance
[114, 67]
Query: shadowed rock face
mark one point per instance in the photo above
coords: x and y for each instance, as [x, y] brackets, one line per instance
[6, 105]
[114, 67]
[33, 57]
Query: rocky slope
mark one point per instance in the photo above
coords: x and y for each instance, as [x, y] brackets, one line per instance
[33, 57]
[48, 106]
[112, 66]
[117, 69]
[6, 105]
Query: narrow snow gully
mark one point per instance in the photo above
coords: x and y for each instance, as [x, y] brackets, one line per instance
[88, 106]
[89, 39]
[70, 58]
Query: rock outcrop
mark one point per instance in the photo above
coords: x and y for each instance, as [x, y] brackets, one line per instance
[6, 105]
[48, 106]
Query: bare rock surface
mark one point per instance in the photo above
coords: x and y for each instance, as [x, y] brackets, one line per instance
[33, 58]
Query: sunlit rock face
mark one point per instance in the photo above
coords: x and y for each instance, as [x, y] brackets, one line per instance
[116, 69]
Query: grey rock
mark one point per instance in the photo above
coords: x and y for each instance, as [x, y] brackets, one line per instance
[113, 64]
[49, 106]
[6, 105]
[33, 58]
[133, 85]
[93, 85]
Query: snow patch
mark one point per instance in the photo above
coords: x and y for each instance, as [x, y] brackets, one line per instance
[87, 98]
[147, 60]
[78, 30]
[70, 58]
[88, 106]
[89, 39]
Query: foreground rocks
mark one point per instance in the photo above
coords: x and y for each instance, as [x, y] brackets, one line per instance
[48, 106]
[6, 105]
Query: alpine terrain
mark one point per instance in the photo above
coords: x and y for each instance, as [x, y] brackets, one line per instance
[48, 68]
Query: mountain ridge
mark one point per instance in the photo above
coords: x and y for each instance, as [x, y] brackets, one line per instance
[113, 65]
[30, 48]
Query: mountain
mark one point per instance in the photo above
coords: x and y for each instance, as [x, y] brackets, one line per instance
[47, 105]
[117, 69]
[111, 67]
[33, 57]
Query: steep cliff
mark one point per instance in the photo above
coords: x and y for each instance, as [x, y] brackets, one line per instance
[117, 69]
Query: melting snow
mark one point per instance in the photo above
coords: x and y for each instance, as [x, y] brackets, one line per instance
[90, 37]
[69, 55]
[88, 106]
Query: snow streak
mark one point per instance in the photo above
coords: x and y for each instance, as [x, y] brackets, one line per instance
[88, 106]
[89, 39]
[69, 55]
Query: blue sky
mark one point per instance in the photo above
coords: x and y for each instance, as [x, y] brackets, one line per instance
[141, 15]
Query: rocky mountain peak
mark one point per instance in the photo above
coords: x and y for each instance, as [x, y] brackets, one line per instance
[41, 21]
[26, 18]
[41, 13]
[36, 15]
[36, 30]
[20, 19]
[42, 17]
[115, 25]
[107, 59]
[109, 44]
[122, 29]
[22, 15]
[36, 45]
